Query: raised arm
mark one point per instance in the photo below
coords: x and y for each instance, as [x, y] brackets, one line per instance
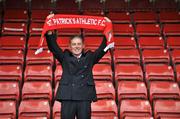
[99, 53]
[53, 46]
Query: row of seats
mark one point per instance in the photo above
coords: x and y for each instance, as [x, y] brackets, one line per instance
[140, 29]
[102, 109]
[39, 15]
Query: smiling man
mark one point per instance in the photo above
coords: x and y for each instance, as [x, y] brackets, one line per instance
[76, 88]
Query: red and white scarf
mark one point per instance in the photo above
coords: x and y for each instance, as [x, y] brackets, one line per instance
[60, 21]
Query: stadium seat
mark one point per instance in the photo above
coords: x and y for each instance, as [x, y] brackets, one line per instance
[11, 28]
[11, 73]
[151, 42]
[163, 89]
[38, 72]
[135, 107]
[8, 109]
[131, 117]
[126, 56]
[105, 90]
[9, 90]
[92, 42]
[131, 90]
[36, 28]
[147, 29]
[175, 54]
[63, 6]
[11, 56]
[124, 42]
[145, 17]
[90, 6]
[18, 15]
[44, 57]
[167, 108]
[12, 42]
[169, 16]
[128, 72]
[159, 72]
[34, 41]
[104, 109]
[63, 41]
[37, 90]
[173, 42]
[123, 29]
[171, 29]
[57, 73]
[93, 13]
[56, 110]
[25, 117]
[39, 15]
[155, 56]
[102, 72]
[119, 17]
[34, 108]
[177, 68]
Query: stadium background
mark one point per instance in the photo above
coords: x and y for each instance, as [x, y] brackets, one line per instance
[139, 79]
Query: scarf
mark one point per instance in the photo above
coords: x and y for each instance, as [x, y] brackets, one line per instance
[60, 21]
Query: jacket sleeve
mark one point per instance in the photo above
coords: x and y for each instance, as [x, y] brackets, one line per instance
[99, 53]
[53, 47]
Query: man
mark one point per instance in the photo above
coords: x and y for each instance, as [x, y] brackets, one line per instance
[76, 88]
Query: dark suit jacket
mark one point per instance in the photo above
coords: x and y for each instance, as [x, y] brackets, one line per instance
[77, 79]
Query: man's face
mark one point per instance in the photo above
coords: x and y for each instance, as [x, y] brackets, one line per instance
[76, 46]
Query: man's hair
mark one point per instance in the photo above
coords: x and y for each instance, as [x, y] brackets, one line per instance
[77, 36]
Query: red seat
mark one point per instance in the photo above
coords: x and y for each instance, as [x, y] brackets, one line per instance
[45, 57]
[135, 107]
[11, 56]
[119, 17]
[131, 89]
[8, 109]
[39, 15]
[90, 6]
[104, 109]
[92, 42]
[128, 72]
[63, 41]
[155, 56]
[123, 29]
[151, 43]
[12, 42]
[126, 56]
[14, 28]
[11, 73]
[37, 89]
[175, 54]
[25, 117]
[173, 42]
[167, 108]
[92, 32]
[56, 110]
[38, 72]
[148, 29]
[105, 90]
[58, 73]
[125, 42]
[36, 28]
[177, 68]
[145, 17]
[171, 29]
[18, 15]
[9, 90]
[163, 89]
[34, 42]
[159, 72]
[34, 108]
[131, 117]
[93, 13]
[102, 72]
[169, 16]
